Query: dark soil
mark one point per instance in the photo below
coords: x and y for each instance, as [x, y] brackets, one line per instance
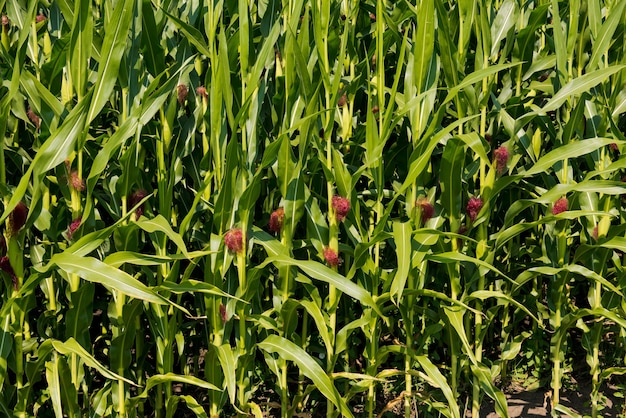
[539, 403]
[529, 404]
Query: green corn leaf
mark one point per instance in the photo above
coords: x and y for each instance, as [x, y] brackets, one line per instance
[447, 49]
[423, 156]
[582, 271]
[487, 385]
[571, 150]
[228, 360]
[194, 286]
[294, 199]
[194, 406]
[608, 187]
[594, 14]
[159, 379]
[151, 48]
[475, 77]
[321, 321]
[120, 258]
[486, 294]
[341, 339]
[193, 35]
[80, 315]
[52, 153]
[454, 256]
[6, 344]
[159, 224]
[121, 346]
[455, 316]
[38, 95]
[71, 346]
[580, 85]
[604, 38]
[439, 296]
[271, 244]
[308, 366]
[560, 44]
[570, 320]
[113, 47]
[474, 142]
[424, 43]
[505, 20]
[54, 386]
[152, 100]
[452, 164]
[571, 268]
[320, 272]
[439, 381]
[615, 243]
[402, 239]
[96, 271]
[527, 35]
[80, 45]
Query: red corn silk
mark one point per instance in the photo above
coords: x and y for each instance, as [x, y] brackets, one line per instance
[501, 156]
[341, 205]
[331, 257]
[76, 182]
[5, 265]
[36, 120]
[201, 91]
[474, 205]
[276, 220]
[73, 227]
[233, 240]
[559, 206]
[426, 209]
[135, 198]
[17, 219]
[182, 92]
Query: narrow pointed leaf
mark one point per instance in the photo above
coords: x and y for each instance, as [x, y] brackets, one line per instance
[308, 366]
[580, 85]
[111, 55]
[96, 271]
[71, 346]
[320, 272]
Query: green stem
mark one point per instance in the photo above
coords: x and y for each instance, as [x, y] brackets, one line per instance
[333, 244]
[121, 385]
[560, 283]
[305, 336]
[241, 270]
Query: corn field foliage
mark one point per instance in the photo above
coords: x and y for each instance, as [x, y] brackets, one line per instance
[288, 207]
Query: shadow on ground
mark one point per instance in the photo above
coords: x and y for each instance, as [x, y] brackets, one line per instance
[538, 404]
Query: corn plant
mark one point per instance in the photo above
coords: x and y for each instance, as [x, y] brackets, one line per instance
[345, 207]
